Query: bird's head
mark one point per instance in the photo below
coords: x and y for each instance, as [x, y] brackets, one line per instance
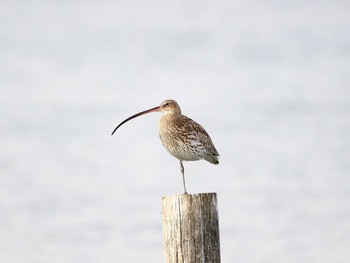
[170, 107]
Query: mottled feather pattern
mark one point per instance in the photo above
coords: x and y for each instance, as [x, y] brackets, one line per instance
[185, 139]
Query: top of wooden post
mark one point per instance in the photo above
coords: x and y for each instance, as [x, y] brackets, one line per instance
[190, 195]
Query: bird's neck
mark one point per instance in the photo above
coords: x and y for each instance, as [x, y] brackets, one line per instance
[172, 115]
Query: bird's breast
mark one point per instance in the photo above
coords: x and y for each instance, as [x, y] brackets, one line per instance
[179, 141]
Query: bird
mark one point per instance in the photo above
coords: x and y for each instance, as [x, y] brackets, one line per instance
[181, 136]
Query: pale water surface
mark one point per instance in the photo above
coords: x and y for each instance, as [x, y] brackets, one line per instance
[269, 80]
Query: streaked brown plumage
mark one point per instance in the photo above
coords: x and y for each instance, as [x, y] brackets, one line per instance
[181, 136]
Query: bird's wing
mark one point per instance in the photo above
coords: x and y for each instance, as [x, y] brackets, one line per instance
[198, 133]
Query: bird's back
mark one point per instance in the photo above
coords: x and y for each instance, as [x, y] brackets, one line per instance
[186, 139]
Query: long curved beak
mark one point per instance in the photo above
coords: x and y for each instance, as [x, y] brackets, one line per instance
[155, 109]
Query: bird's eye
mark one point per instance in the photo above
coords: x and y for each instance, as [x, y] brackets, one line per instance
[167, 104]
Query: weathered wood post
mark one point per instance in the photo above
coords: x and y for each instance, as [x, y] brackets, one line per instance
[191, 228]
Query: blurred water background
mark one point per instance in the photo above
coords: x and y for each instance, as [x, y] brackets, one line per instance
[269, 80]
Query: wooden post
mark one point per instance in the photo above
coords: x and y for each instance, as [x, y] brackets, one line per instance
[191, 228]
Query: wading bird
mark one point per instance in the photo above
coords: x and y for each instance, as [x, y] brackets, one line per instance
[182, 137]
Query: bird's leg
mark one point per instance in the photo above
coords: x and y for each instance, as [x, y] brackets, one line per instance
[183, 176]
